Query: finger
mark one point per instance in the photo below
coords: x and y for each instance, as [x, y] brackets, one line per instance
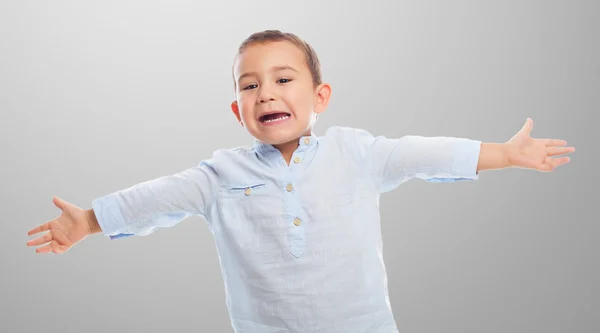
[560, 161]
[38, 229]
[44, 249]
[40, 240]
[52, 224]
[554, 142]
[553, 151]
[52, 247]
[552, 163]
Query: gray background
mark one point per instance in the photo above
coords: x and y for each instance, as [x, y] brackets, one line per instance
[98, 96]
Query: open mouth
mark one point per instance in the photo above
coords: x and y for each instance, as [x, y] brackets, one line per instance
[273, 117]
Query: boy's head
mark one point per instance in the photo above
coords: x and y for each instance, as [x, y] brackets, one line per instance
[278, 87]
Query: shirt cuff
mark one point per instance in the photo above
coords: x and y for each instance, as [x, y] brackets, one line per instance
[108, 214]
[464, 165]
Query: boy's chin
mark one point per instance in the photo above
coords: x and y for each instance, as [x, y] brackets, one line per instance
[279, 138]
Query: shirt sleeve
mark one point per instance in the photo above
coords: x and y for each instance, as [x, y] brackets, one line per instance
[161, 202]
[392, 161]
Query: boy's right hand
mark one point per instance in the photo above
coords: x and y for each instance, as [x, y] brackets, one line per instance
[65, 231]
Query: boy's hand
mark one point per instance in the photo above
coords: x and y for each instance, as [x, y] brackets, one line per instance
[529, 153]
[65, 231]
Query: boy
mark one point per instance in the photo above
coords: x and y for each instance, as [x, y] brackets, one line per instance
[295, 217]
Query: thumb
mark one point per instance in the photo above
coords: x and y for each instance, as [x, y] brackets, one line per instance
[527, 127]
[58, 202]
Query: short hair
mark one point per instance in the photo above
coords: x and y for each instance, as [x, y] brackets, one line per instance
[267, 36]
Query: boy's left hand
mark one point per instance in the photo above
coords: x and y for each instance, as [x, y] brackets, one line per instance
[530, 153]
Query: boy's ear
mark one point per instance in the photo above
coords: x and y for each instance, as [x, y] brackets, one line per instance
[236, 112]
[323, 95]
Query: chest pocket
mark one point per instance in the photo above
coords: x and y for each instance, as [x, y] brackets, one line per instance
[251, 212]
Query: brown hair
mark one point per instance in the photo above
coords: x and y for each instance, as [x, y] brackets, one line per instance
[267, 36]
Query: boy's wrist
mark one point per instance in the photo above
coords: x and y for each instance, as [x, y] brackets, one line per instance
[494, 156]
[92, 222]
[509, 150]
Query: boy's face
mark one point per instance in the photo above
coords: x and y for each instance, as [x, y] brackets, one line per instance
[276, 99]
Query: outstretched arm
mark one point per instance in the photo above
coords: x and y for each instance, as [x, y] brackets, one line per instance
[137, 210]
[392, 161]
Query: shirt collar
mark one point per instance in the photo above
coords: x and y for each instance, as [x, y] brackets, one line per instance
[303, 142]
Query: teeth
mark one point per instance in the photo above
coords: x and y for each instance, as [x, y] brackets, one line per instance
[276, 119]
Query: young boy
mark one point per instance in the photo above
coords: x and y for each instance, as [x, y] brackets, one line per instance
[296, 216]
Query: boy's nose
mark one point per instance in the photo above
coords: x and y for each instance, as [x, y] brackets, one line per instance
[265, 100]
[266, 96]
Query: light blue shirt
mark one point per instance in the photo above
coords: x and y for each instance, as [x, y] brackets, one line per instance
[299, 245]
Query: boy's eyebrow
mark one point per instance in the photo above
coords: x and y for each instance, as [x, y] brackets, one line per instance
[273, 69]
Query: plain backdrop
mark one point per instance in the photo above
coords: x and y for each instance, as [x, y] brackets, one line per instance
[96, 96]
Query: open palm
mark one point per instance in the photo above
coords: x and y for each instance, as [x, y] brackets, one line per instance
[64, 231]
[531, 153]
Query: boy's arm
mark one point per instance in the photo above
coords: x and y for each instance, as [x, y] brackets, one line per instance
[391, 161]
[161, 202]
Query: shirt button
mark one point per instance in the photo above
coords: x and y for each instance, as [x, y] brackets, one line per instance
[306, 141]
[289, 187]
[297, 221]
[248, 191]
[296, 159]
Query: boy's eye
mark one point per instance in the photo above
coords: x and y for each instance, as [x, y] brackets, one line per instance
[252, 86]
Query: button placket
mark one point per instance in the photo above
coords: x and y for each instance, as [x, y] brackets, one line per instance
[296, 230]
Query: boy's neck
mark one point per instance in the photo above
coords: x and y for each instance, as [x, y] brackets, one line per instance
[287, 150]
